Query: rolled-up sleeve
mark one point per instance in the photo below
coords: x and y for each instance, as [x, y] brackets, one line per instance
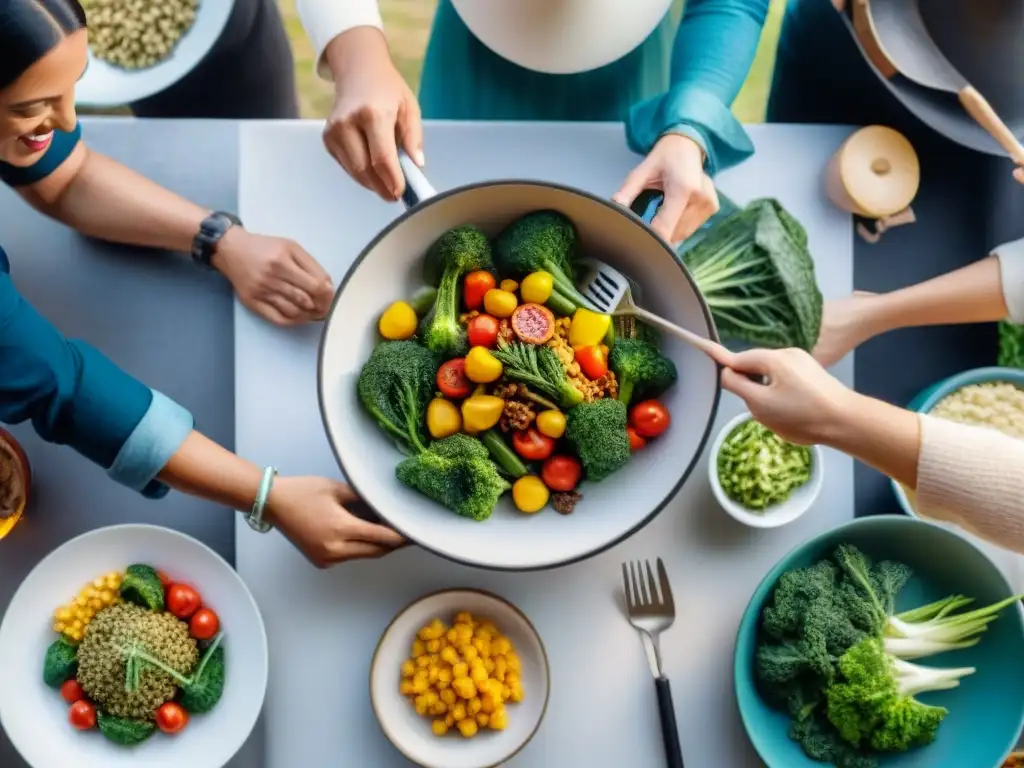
[1011, 269]
[324, 20]
[61, 147]
[713, 51]
[75, 396]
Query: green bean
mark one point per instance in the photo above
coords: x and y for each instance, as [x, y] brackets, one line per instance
[758, 469]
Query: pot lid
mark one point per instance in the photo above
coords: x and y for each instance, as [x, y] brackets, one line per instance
[561, 37]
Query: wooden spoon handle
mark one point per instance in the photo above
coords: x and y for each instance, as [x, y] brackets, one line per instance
[977, 106]
[706, 346]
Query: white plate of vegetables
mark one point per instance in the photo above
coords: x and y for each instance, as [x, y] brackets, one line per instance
[126, 663]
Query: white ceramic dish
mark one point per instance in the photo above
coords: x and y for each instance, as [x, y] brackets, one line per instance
[104, 85]
[391, 268]
[410, 733]
[779, 515]
[34, 716]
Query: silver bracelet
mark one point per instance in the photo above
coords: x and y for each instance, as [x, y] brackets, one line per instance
[255, 517]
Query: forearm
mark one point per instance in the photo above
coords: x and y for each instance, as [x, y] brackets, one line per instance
[973, 294]
[202, 468]
[878, 434]
[325, 21]
[108, 201]
[356, 48]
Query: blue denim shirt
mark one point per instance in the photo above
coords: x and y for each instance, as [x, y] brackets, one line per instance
[72, 394]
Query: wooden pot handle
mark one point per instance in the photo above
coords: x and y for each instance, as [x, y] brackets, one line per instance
[977, 106]
[867, 35]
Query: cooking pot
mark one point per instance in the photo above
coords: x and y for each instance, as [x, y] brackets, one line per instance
[390, 268]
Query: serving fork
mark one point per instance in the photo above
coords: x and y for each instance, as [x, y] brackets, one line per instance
[651, 610]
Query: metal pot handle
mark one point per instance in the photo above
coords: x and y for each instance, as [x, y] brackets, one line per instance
[417, 187]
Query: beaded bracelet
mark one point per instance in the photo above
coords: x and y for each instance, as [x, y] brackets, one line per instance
[255, 518]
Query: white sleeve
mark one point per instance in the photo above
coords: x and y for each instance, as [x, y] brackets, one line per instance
[324, 20]
[1011, 268]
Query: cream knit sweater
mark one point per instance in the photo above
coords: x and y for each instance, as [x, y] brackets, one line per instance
[971, 476]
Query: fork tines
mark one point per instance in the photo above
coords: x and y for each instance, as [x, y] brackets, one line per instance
[601, 290]
[644, 593]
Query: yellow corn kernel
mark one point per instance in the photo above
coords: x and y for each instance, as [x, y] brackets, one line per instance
[421, 707]
[63, 614]
[453, 635]
[499, 721]
[478, 675]
[482, 646]
[99, 582]
[489, 628]
[112, 580]
[448, 696]
[500, 668]
[465, 617]
[488, 704]
[469, 653]
[505, 692]
[482, 634]
[460, 670]
[511, 679]
[463, 633]
[423, 661]
[440, 708]
[445, 675]
[418, 648]
[431, 698]
[473, 706]
[516, 693]
[500, 645]
[482, 719]
[465, 687]
[80, 601]
[489, 666]
[450, 656]
[58, 627]
[432, 673]
[433, 646]
[512, 660]
[459, 711]
[408, 668]
[449, 720]
[95, 603]
[439, 727]
[107, 596]
[420, 685]
[77, 625]
[406, 688]
[467, 728]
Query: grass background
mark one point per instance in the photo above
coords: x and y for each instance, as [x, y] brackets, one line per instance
[407, 23]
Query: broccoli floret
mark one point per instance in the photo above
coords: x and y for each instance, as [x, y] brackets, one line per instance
[641, 370]
[395, 387]
[542, 240]
[455, 474]
[874, 704]
[60, 663]
[458, 251]
[141, 585]
[597, 430]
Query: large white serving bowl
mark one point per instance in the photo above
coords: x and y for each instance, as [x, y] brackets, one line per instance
[390, 268]
[34, 716]
[410, 733]
[104, 85]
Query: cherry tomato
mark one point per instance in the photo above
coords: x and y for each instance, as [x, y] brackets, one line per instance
[532, 445]
[451, 378]
[483, 331]
[82, 715]
[164, 579]
[171, 717]
[635, 441]
[592, 362]
[475, 286]
[561, 473]
[204, 624]
[71, 692]
[649, 418]
[182, 600]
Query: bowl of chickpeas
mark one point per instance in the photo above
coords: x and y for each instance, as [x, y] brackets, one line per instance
[460, 679]
[991, 397]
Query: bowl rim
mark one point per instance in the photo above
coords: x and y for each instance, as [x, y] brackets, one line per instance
[768, 520]
[925, 400]
[492, 596]
[776, 571]
[263, 644]
[638, 222]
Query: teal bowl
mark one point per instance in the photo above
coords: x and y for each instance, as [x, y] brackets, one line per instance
[986, 713]
[931, 396]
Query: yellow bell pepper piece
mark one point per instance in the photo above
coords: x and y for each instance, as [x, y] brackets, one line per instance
[588, 328]
[530, 494]
[509, 285]
[500, 303]
[537, 287]
[398, 321]
[443, 418]
[482, 367]
[481, 412]
[551, 424]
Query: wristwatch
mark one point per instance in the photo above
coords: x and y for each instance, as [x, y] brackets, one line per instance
[204, 245]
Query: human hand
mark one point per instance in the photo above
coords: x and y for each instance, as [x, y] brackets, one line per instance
[311, 513]
[374, 111]
[1018, 174]
[801, 402]
[274, 277]
[845, 325]
[675, 165]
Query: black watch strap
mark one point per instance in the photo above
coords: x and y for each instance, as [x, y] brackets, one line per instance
[210, 232]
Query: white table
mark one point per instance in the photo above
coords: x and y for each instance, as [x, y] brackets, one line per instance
[323, 626]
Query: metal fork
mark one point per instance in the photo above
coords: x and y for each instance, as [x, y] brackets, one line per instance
[651, 610]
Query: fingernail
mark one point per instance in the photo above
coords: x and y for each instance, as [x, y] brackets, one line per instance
[418, 158]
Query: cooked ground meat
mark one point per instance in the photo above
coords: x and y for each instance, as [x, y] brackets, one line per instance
[517, 415]
[565, 502]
